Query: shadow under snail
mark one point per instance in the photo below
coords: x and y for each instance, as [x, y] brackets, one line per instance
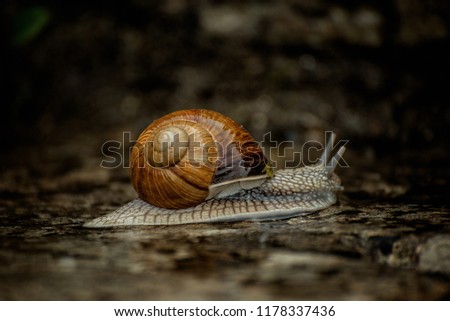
[197, 166]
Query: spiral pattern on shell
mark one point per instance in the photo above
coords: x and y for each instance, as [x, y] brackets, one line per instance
[177, 157]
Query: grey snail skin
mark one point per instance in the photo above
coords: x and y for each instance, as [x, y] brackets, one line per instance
[180, 181]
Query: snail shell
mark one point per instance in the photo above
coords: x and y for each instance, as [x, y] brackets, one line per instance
[179, 156]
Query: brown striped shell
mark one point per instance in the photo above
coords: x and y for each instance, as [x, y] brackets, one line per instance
[177, 157]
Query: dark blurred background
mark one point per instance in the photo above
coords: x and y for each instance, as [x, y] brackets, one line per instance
[76, 74]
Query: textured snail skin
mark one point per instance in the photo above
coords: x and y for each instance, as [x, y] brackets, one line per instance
[291, 192]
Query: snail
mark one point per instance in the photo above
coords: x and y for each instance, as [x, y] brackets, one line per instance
[199, 166]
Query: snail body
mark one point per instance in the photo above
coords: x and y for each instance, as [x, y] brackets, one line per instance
[246, 190]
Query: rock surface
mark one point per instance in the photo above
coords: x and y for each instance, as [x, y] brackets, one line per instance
[374, 73]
